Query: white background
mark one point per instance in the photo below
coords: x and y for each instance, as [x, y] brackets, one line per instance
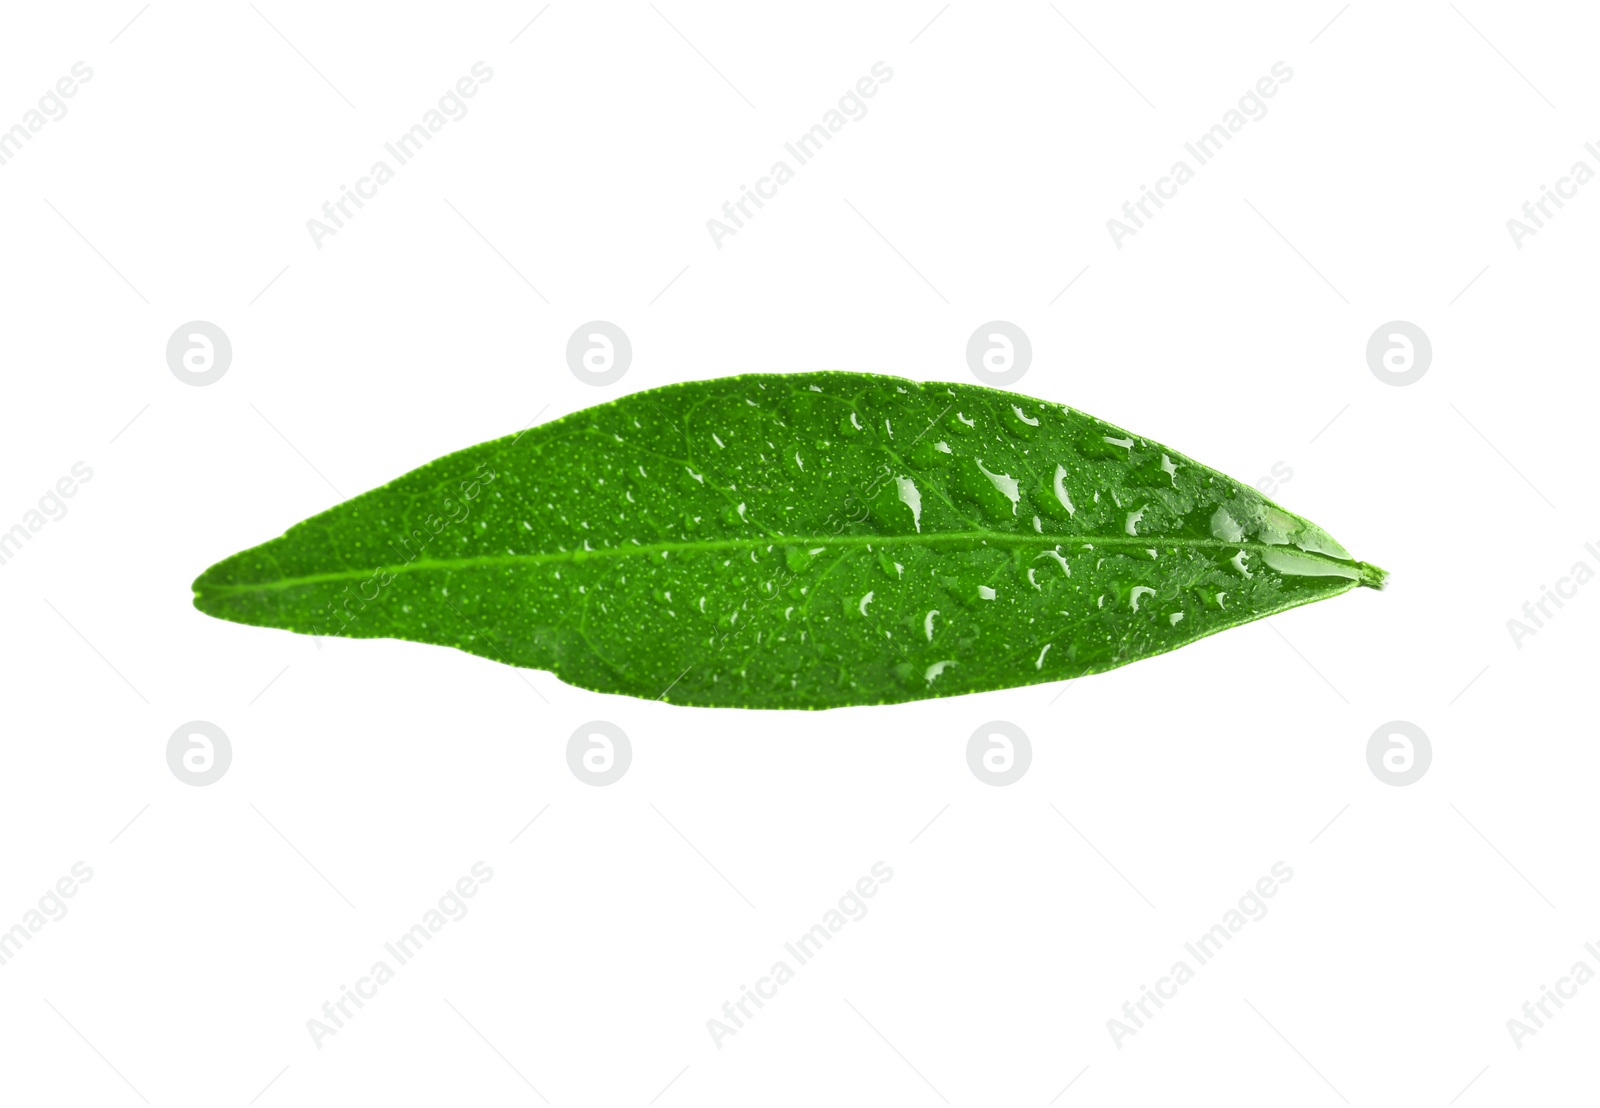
[368, 776]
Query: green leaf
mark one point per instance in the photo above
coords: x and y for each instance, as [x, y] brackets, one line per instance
[796, 541]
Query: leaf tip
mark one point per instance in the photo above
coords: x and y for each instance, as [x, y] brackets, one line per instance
[1372, 577]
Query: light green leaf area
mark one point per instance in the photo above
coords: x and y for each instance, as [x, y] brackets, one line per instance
[796, 541]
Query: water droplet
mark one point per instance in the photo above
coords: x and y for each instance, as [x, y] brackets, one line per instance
[1290, 564]
[1225, 527]
[1056, 554]
[1277, 526]
[1004, 483]
[1091, 445]
[1318, 541]
[936, 669]
[960, 424]
[1060, 489]
[925, 454]
[891, 568]
[911, 498]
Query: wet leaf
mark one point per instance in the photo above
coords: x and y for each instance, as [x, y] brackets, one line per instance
[796, 541]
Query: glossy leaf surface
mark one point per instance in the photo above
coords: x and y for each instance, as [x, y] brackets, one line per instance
[796, 541]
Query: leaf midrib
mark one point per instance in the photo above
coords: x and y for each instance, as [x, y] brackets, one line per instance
[750, 543]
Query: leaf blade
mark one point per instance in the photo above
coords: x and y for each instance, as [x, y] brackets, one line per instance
[772, 541]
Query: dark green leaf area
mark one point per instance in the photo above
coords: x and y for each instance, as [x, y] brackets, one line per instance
[796, 541]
